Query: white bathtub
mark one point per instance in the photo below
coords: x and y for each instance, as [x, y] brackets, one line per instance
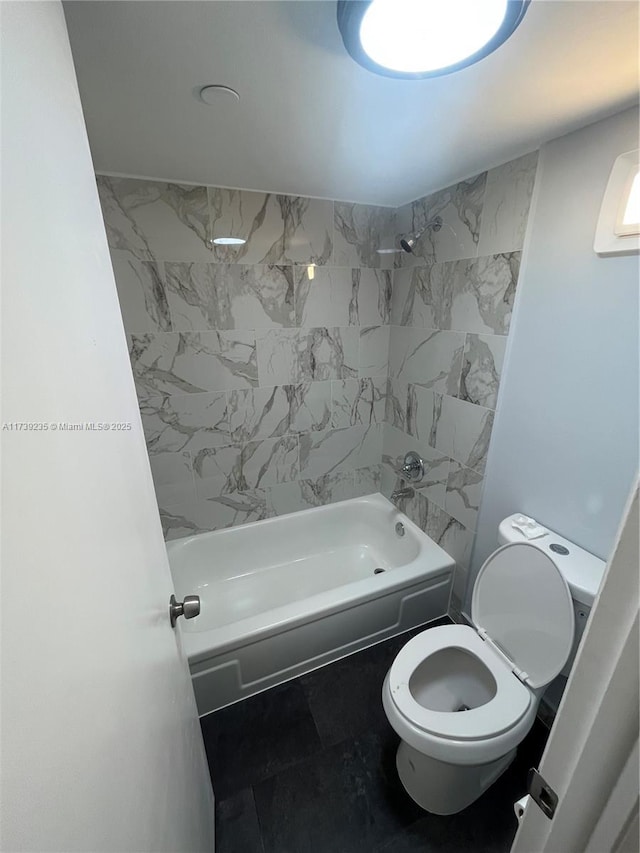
[283, 596]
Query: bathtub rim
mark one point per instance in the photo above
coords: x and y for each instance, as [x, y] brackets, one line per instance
[199, 646]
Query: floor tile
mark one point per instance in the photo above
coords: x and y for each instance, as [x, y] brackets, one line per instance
[345, 697]
[486, 826]
[237, 827]
[343, 800]
[260, 736]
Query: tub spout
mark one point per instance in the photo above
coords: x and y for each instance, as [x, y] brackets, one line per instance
[399, 494]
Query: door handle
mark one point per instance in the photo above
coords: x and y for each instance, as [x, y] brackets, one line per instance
[188, 608]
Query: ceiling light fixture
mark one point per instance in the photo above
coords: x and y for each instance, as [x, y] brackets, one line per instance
[228, 241]
[213, 95]
[425, 38]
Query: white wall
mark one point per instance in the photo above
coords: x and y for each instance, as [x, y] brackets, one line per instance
[101, 747]
[564, 447]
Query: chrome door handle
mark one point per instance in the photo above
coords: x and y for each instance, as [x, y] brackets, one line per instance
[188, 608]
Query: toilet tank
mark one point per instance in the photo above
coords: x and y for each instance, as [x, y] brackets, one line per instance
[582, 571]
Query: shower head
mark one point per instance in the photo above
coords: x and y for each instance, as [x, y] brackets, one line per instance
[410, 240]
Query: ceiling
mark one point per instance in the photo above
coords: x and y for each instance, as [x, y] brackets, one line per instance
[311, 121]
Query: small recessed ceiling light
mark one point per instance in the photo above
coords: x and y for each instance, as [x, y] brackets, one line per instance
[425, 38]
[213, 95]
[229, 241]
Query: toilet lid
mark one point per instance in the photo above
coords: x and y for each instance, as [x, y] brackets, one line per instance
[522, 601]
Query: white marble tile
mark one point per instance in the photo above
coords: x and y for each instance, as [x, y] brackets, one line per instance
[367, 481]
[172, 477]
[291, 356]
[463, 431]
[506, 205]
[261, 297]
[307, 494]
[141, 293]
[482, 368]
[185, 422]
[269, 412]
[193, 362]
[396, 444]
[430, 358]
[464, 491]
[373, 359]
[479, 294]
[358, 402]
[155, 221]
[198, 296]
[337, 450]
[256, 464]
[460, 207]
[279, 229]
[339, 296]
[396, 406]
[360, 230]
[199, 516]
[423, 412]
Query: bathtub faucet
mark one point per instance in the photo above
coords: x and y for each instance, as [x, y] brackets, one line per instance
[399, 494]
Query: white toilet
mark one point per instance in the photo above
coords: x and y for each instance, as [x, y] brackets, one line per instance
[462, 698]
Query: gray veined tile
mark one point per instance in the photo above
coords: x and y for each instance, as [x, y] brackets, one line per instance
[422, 297]
[198, 296]
[367, 481]
[396, 405]
[460, 207]
[423, 412]
[358, 402]
[307, 494]
[428, 357]
[337, 450]
[185, 422]
[190, 517]
[261, 296]
[463, 431]
[359, 230]
[452, 536]
[268, 412]
[237, 468]
[155, 221]
[481, 293]
[396, 444]
[193, 362]
[506, 205]
[141, 293]
[172, 477]
[481, 369]
[278, 229]
[339, 296]
[291, 356]
[325, 299]
[464, 491]
[373, 359]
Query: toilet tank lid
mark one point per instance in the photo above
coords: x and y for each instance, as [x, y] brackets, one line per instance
[582, 570]
[523, 604]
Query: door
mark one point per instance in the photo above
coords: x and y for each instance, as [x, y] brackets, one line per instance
[101, 747]
[590, 759]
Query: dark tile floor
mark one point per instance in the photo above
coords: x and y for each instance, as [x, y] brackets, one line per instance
[309, 767]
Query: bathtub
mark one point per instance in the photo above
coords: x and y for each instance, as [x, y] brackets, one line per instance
[283, 596]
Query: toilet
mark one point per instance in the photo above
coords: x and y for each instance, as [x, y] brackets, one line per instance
[462, 698]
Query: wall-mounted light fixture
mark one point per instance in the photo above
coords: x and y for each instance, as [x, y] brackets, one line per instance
[618, 229]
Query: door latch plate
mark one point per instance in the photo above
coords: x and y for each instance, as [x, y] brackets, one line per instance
[542, 793]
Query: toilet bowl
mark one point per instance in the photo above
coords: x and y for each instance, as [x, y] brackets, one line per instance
[462, 698]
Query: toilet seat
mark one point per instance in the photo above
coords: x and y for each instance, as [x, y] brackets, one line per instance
[511, 702]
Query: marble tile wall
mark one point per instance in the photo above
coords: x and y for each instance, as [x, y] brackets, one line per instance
[262, 390]
[450, 314]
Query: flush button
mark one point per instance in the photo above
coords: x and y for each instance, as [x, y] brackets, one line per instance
[559, 549]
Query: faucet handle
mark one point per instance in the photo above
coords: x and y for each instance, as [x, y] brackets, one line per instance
[412, 467]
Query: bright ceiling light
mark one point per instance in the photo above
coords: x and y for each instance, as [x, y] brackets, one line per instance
[425, 38]
[229, 241]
